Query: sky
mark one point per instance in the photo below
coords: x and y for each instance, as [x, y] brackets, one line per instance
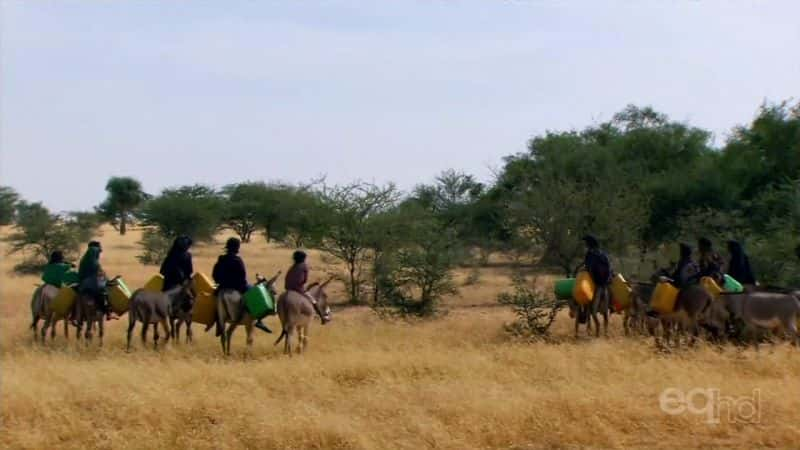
[177, 93]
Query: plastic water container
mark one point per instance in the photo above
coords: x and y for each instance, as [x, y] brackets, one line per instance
[731, 285]
[155, 284]
[711, 286]
[119, 296]
[202, 283]
[620, 292]
[205, 308]
[64, 301]
[583, 291]
[663, 299]
[258, 301]
[563, 288]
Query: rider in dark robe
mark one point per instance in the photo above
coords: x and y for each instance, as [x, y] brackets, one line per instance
[739, 265]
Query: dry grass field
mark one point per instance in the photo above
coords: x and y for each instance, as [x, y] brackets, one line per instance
[456, 382]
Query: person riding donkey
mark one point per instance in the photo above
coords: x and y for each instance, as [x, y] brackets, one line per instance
[739, 265]
[686, 270]
[297, 277]
[710, 262]
[598, 265]
[93, 278]
[177, 267]
[56, 269]
[229, 273]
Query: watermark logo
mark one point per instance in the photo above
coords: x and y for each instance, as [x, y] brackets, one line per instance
[709, 403]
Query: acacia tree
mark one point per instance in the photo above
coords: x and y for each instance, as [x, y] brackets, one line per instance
[304, 217]
[424, 264]
[195, 211]
[125, 197]
[39, 233]
[245, 205]
[8, 204]
[556, 213]
[347, 236]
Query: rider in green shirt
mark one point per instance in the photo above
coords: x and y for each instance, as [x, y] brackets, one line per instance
[56, 269]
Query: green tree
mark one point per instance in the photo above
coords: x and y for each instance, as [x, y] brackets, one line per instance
[39, 232]
[304, 217]
[422, 266]
[765, 153]
[347, 237]
[196, 211]
[8, 204]
[245, 204]
[124, 197]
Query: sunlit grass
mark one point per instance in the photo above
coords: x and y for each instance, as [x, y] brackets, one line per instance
[456, 382]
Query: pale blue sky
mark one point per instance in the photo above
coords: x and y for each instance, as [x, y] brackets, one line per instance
[218, 92]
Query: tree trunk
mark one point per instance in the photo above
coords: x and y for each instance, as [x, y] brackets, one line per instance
[353, 288]
[123, 224]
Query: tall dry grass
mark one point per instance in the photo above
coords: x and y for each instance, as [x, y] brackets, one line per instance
[456, 382]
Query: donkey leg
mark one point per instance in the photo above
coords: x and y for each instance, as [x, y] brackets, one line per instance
[155, 336]
[53, 323]
[577, 324]
[43, 331]
[101, 328]
[304, 346]
[301, 336]
[131, 324]
[229, 336]
[166, 330]
[189, 331]
[88, 334]
[793, 333]
[35, 327]
[249, 331]
[66, 328]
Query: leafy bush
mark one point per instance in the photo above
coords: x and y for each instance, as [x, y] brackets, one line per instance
[535, 310]
[8, 205]
[417, 271]
[154, 247]
[39, 233]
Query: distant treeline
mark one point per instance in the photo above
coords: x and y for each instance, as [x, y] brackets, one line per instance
[639, 182]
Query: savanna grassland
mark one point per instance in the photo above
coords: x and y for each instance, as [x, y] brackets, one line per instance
[456, 382]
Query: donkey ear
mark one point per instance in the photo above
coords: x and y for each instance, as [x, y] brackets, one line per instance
[322, 286]
[273, 279]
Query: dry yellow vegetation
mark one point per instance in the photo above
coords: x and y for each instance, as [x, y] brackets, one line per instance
[457, 382]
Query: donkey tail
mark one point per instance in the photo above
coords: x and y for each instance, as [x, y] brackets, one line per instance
[280, 338]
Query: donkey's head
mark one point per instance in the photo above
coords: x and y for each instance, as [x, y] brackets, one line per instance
[317, 292]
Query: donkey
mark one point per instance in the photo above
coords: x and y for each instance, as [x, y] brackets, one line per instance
[231, 310]
[88, 312]
[773, 311]
[154, 308]
[180, 313]
[296, 312]
[40, 310]
[588, 313]
[635, 315]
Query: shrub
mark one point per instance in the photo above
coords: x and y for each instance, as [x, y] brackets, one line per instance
[39, 233]
[535, 310]
[154, 247]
